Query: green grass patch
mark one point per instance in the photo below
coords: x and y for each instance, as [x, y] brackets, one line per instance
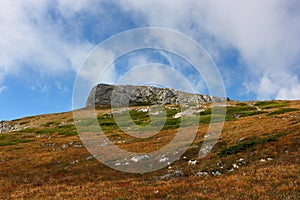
[252, 113]
[67, 130]
[139, 117]
[143, 103]
[206, 112]
[282, 111]
[270, 104]
[25, 122]
[239, 109]
[9, 139]
[87, 122]
[243, 110]
[107, 123]
[13, 142]
[70, 120]
[6, 136]
[172, 123]
[242, 146]
[27, 130]
[47, 124]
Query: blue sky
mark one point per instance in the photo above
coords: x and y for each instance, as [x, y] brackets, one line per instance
[255, 45]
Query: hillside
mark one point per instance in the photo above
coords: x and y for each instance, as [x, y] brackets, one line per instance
[256, 157]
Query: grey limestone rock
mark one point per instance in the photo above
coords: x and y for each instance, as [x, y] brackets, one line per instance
[8, 126]
[104, 95]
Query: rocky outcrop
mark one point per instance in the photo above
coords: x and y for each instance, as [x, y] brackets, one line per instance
[121, 95]
[7, 126]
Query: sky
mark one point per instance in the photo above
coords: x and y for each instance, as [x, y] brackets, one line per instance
[43, 44]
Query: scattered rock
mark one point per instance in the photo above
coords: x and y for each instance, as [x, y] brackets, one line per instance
[163, 159]
[206, 149]
[192, 162]
[221, 165]
[75, 161]
[241, 161]
[142, 109]
[140, 158]
[235, 166]
[241, 139]
[52, 144]
[262, 160]
[216, 173]
[202, 174]
[231, 170]
[211, 135]
[64, 146]
[90, 157]
[8, 126]
[177, 115]
[172, 174]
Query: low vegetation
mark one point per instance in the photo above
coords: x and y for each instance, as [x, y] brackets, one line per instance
[66, 130]
[242, 146]
[255, 157]
[271, 104]
[9, 139]
[282, 111]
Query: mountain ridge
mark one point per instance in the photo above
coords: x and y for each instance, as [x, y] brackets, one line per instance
[103, 95]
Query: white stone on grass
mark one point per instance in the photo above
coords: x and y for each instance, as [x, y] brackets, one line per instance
[192, 162]
[235, 166]
[140, 158]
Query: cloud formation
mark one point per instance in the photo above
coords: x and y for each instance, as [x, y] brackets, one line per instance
[55, 36]
[265, 34]
[32, 36]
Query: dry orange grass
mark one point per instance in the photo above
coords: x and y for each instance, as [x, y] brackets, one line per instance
[43, 169]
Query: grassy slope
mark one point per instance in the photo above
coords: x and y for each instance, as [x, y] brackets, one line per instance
[46, 160]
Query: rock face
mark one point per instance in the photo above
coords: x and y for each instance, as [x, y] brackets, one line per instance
[6, 126]
[121, 95]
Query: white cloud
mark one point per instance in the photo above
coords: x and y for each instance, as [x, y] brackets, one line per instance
[156, 74]
[30, 37]
[265, 33]
[2, 88]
